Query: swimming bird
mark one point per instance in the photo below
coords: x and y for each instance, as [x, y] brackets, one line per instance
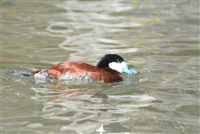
[109, 69]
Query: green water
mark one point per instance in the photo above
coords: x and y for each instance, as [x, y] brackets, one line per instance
[159, 39]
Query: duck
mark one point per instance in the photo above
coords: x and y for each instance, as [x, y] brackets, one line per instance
[110, 68]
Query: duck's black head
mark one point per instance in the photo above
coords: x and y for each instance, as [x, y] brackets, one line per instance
[108, 58]
[115, 62]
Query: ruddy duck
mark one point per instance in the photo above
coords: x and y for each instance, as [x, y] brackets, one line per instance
[108, 69]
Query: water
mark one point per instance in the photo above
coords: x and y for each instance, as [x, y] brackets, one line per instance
[159, 39]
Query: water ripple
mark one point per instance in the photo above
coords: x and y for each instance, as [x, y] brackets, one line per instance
[91, 27]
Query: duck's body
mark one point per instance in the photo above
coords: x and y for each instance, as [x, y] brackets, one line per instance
[78, 71]
[108, 69]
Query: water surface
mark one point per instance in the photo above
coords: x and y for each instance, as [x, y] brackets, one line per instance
[159, 39]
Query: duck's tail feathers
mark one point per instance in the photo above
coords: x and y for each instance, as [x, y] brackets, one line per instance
[19, 73]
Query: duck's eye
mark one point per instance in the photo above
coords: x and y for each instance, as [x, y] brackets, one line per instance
[118, 61]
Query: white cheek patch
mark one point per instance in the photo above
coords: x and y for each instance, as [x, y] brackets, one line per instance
[117, 66]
